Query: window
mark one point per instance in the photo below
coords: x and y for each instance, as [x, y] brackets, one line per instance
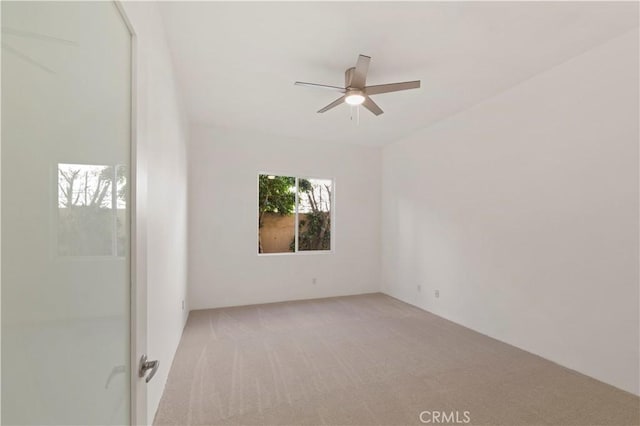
[294, 214]
[92, 210]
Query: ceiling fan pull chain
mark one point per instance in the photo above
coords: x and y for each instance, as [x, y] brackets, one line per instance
[355, 108]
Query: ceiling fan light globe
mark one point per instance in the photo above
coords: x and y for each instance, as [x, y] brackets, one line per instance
[354, 99]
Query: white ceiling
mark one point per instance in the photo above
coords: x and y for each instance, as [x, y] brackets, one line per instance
[236, 62]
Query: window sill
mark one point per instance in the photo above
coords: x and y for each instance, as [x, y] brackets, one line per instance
[303, 253]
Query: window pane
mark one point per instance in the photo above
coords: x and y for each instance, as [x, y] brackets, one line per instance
[314, 214]
[276, 214]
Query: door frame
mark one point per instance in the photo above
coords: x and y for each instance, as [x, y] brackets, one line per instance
[138, 243]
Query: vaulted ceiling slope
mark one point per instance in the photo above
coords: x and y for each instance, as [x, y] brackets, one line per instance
[236, 62]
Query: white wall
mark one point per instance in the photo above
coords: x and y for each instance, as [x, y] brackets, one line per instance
[523, 212]
[162, 165]
[224, 267]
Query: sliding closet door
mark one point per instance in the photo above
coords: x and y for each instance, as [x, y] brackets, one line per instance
[66, 143]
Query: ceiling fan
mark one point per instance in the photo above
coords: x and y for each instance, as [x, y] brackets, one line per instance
[356, 92]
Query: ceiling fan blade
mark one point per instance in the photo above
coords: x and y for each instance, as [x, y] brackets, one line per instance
[392, 87]
[372, 106]
[321, 86]
[359, 78]
[333, 104]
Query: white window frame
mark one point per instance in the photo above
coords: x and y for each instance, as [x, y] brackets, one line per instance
[332, 213]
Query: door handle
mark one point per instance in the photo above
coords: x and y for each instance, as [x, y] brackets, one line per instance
[146, 365]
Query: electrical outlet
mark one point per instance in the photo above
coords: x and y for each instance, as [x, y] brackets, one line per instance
[437, 293]
[419, 287]
[314, 280]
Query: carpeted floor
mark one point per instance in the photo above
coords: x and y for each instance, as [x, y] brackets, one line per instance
[369, 360]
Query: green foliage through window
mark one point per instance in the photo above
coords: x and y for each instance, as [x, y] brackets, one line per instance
[314, 230]
[277, 214]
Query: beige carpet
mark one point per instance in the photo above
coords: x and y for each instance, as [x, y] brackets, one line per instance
[369, 360]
